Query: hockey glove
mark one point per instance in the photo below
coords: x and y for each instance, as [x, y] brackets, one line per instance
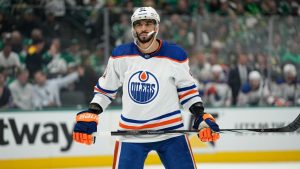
[86, 125]
[212, 90]
[205, 123]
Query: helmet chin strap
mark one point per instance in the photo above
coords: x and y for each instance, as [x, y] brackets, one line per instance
[149, 34]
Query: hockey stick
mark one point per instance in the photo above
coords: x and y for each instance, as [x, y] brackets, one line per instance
[293, 126]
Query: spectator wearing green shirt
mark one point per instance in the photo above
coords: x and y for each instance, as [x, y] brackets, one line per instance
[56, 64]
[72, 55]
[292, 55]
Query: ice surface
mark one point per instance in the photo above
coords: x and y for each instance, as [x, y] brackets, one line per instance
[289, 165]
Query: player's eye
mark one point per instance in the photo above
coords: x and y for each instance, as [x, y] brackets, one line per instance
[137, 23]
[149, 23]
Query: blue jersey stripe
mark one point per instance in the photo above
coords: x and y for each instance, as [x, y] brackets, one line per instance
[186, 100]
[105, 90]
[186, 88]
[145, 121]
[103, 95]
[174, 127]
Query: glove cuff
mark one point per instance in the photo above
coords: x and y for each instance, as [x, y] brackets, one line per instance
[87, 117]
[95, 108]
[197, 109]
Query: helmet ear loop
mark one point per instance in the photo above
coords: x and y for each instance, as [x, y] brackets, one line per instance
[134, 35]
[157, 29]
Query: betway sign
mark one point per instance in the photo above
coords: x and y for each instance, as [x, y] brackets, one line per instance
[44, 134]
[47, 133]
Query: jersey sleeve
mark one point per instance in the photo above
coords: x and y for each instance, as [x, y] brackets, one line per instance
[186, 85]
[106, 88]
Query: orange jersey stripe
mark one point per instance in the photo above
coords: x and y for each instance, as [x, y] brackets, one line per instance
[116, 152]
[124, 56]
[174, 60]
[100, 91]
[191, 152]
[188, 93]
[146, 126]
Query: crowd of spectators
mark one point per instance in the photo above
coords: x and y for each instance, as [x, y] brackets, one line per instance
[244, 53]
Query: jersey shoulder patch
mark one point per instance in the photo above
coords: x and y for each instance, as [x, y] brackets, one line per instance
[174, 52]
[122, 50]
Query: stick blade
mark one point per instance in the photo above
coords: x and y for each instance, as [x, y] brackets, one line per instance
[293, 126]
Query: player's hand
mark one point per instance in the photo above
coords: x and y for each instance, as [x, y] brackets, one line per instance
[86, 125]
[208, 128]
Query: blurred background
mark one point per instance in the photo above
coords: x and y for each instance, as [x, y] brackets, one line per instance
[244, 54]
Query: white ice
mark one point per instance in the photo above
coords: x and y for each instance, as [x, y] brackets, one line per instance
[289, 165]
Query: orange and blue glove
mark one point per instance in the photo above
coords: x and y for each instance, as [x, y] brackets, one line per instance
[205, 123]
[86, 124]
[208, 128]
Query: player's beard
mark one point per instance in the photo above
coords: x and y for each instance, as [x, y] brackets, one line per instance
[144, 39]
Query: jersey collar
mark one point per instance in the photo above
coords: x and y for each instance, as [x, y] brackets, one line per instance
[150, 55]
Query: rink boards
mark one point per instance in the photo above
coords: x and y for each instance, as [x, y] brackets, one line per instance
[42, 139]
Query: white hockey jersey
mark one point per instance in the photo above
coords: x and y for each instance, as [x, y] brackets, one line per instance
[222, 95]
[154, 86]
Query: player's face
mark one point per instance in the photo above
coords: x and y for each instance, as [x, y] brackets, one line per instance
[254, 83]
[216, 75]
[289, 78]
[142, 28]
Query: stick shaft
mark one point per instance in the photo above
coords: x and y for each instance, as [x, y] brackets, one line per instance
[293, 126]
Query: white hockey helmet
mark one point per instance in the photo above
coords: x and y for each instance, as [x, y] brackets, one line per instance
[216, 68]
[254, 75]
[145, 13]
[289, 69]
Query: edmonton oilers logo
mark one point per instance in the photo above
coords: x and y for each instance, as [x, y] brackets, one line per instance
[143, 87]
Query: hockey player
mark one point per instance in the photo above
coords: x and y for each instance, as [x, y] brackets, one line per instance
[286, 92]
[155, 78]
[217, 91]
[254, 93]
